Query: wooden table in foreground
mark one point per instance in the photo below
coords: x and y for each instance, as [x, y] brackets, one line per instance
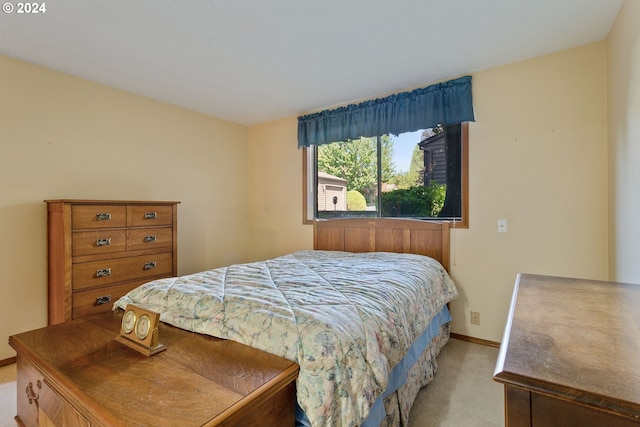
[76, 374]
[570, 355]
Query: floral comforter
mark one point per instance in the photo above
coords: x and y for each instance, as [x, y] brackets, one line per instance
[345, 318]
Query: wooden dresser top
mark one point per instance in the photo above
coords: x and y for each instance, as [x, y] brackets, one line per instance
[198, 378]
[111, 202]
[574, 339]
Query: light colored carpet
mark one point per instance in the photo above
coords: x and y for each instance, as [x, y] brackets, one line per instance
[7, 395]
[462, 394]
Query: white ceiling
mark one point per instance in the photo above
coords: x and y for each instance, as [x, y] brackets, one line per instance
[254, 61]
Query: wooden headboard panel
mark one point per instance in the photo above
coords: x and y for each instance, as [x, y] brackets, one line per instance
[384, 235]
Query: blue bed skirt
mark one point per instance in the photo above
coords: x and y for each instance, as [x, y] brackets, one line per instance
[398, 375]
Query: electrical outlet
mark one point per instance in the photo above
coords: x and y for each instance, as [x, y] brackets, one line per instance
[475, 318]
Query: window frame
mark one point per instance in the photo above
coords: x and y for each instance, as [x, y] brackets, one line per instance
[310, 185]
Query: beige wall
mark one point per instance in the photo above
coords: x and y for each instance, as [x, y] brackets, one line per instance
[275, 191]
[624, 144]
[64, 137]
[537, 158]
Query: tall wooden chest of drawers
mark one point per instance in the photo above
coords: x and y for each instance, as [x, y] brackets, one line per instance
[101, 249]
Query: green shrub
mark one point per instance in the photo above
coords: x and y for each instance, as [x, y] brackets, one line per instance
[355, 201]
[418, 201]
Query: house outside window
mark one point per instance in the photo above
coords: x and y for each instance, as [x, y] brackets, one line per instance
[332, 193]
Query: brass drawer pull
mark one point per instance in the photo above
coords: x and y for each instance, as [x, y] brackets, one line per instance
[150, 215]
[32, 395]
[103, 272]
[103, 300]
[149, 265]
[103, 242]
[103, 216]
[150, 238]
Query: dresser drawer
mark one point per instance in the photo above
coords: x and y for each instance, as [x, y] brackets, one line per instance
[150, 215]
[149, 238]
[93, 301]
[100, 273]
[98, 216]
[98, 242]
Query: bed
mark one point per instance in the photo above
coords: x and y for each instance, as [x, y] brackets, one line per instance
[364, 314]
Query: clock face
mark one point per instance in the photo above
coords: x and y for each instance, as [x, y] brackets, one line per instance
[128, 321]
[143, 326]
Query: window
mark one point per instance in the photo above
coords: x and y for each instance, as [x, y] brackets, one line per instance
[421, 175]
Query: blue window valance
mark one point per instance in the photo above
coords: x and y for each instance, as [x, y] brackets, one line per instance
[444, 103]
